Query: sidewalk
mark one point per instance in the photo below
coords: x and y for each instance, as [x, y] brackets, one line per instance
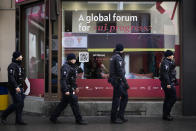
[102, 123]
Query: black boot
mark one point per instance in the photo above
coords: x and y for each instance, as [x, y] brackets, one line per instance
[168, 118]
[3, 121]
[117, 121]
[123, 119]
[21, 123]
[81, 122]
[53, 120]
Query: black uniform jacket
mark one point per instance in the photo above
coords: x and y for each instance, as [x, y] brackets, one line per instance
[117, 69]
[168, 72]
[16, 76]
[68, 77]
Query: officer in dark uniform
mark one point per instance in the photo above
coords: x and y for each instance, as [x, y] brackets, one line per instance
[15, 79]
[68, 89]
[120, 86]
[168, 82]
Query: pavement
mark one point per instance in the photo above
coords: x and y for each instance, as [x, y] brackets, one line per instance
[101, 123]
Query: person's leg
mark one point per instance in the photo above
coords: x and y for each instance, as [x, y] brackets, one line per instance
[123, 104]
[76, 110]
[166, 104]
[60, 107]
[19, 108]
[115, 103]
[172, 98]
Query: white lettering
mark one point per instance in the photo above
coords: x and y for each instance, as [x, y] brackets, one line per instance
[81, 18]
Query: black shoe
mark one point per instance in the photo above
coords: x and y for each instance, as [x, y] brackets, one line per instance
[117, 121]
[53, 120]
[81, 122]
[123, 119]
[21, 123]
[168, 118]
[171, 118]
[3, 121]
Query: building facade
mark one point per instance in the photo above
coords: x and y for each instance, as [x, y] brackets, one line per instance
[50, 29]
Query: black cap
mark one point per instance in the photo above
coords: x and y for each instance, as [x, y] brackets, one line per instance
[16, 54]
[119, 47]
[71, 56]
[168, 53]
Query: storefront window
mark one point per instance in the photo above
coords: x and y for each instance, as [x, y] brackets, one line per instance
[35, 49]
[146, 29]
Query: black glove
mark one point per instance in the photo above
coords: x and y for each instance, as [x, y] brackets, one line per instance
[109, 80]
[127, 85]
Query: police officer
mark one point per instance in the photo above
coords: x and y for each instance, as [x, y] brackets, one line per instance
[15, 80]
[168, 82]
[68, 89]
[120, 86]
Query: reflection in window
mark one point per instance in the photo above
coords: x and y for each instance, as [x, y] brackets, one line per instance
[139, 65]
[35, 40]
[97, 67]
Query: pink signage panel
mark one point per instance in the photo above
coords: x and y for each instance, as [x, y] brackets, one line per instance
[139, 88]
[100, 88]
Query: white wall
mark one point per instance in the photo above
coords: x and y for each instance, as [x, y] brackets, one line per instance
[7, 36]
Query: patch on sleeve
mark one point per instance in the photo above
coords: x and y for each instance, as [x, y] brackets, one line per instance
[64, 73]
[166, 67]
[120, 62]
[11, 71]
